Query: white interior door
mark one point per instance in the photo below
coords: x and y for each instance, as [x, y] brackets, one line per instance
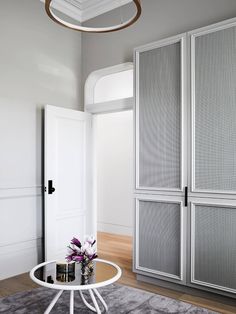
[68, 184]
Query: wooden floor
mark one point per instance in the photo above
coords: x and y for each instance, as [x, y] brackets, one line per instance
[119, 250]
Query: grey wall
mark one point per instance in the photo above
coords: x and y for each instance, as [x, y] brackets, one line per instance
[160, 19]
[40, 63]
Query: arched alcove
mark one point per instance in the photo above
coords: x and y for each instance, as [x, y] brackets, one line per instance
[110, 89]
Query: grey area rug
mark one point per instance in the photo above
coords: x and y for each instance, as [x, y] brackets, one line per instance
[120, 299]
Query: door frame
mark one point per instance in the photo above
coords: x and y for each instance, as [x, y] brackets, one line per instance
[118, 105]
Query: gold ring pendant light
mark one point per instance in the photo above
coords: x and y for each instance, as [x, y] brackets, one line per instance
[108, 29]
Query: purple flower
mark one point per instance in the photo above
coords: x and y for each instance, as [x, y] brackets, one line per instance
[76, 242]
[72, 250]
[78, 258]
[81, 253]
[69, 258]
[91, 257]
[90, 239]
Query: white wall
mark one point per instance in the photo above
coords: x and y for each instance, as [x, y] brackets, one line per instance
[159, 19]
[40, 63]
[114, 159]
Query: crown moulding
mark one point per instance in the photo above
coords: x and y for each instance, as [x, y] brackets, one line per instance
[83, 10]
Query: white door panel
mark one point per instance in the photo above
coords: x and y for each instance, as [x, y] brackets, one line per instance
[68, 210]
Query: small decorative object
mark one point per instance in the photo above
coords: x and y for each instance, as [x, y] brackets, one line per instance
[83, 253]
[65, 271]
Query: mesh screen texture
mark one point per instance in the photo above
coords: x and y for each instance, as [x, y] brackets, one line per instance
[215, 111]
[159, 236]
[160, 117]
[215, 245]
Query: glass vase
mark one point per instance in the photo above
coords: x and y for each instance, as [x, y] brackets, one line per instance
[86, 268]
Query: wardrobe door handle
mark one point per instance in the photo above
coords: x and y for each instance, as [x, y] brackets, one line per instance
[186, 196]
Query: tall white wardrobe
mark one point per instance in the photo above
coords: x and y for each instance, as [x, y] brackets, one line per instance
[185, 141]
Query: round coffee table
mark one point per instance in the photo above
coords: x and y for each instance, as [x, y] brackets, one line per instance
[104, 273]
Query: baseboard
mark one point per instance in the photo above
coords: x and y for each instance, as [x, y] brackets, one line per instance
[115, 229]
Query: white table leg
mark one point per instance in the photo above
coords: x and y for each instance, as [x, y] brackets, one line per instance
[54, 301]
[86, 303]
[72, 302]
[101, 299]
[96, 308]
[94, 301]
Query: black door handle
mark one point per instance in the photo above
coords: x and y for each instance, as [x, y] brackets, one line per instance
[51, 189]
[186, 196]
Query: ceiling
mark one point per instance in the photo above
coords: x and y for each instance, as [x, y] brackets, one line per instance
[83, 10]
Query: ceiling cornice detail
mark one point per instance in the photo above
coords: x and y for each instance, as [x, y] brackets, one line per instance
[83, 10]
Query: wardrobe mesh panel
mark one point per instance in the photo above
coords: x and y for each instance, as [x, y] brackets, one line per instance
[215, 245]
[160, 117]
[159, 236]
[215, 111]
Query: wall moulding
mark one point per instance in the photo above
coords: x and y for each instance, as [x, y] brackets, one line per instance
[18, 192]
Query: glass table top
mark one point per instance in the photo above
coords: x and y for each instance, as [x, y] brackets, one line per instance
[55, 273]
